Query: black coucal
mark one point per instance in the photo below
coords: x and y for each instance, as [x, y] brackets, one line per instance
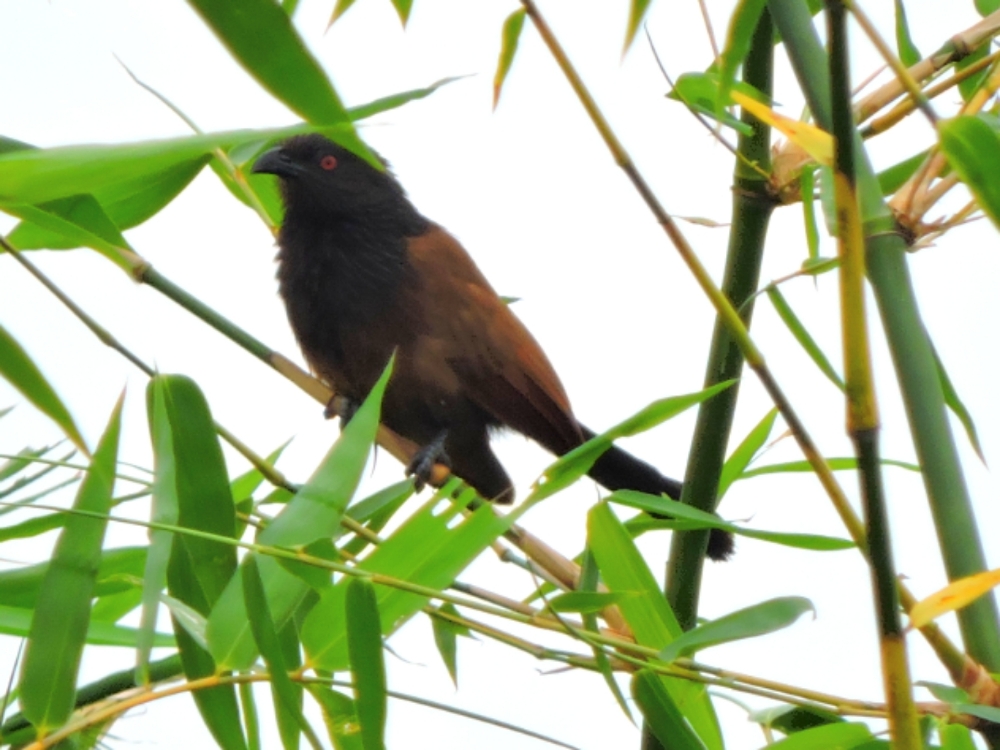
[363, 274]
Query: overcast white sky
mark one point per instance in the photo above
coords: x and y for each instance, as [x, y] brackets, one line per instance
[534, 196]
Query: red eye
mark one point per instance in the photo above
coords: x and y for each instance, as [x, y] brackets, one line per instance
[328, 162]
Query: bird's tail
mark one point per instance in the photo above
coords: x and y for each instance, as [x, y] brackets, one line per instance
[617, 469]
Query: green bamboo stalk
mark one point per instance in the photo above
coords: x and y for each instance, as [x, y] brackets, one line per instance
[911, 351]
[862, 407]
[752, 205]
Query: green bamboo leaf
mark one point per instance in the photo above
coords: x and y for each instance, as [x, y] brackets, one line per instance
[287, 695]
[589, 578]
[394, 101]
[646, 610]
[637, 11]
[986, 713]
[25, 458]
[124, 205]
[573, 465]
[969, 86]
[446, 635]
[701, 92]
[905, 47]
[807, 180]
[36, 176]
[836, 464]
[59, 626]
[116, 571]
[742, 25]
[16, 621]
[985, 7]
[114, 607]
[260, 36]
[364, 648]
[973, 150]
[243, 486]
[79, 220]
[955, 737]
[801, 335]
[892, 179]
[18, 369]
[586, 601]
[193, 621]
[740, 458]
[430, 549]
[954, 402]
[662, 715]
[313, 514]
[510, 37]
[827, 737]
[187, 455]
[338, 10]
[32, 527]
[790, 719]
[686, 518]
[165, 510]
[403, 8]
[945, 693]
[750, 622]
[340, 716]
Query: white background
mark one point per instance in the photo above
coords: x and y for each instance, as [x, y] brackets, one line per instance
[533, 194]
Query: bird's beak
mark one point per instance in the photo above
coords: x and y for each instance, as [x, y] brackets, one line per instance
[276, 162]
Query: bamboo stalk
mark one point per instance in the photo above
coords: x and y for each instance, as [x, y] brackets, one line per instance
[862, 408]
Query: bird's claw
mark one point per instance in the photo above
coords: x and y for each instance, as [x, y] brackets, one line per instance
[421, 465]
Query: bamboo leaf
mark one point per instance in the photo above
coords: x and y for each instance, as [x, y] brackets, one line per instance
[313, 514]
[955, 737]
[340, 716]
[338, 10]
[403, 8]
[18, 369]
[739, 35]
[510, 37]
[637, 11]
[59, 626]
[892, 179]
[905, 48]
[188, 457]
[586, 601]
[430, 549]
[662, 715]
[802, 336]
[446, 639]
[740, 458]
[364, 648]
[750, 622]
[836, 464]
[973, 150]
[969, 86]
[124, 205]
[287, 695]
[646, 610]
[573, 465]
[701, 93]
[827, 737]
[16, 621]
[954, 596]
[684, 517]
[260, 36]
[954, 402]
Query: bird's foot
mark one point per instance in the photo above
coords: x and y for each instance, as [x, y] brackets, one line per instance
[343, 407]
[422, 464]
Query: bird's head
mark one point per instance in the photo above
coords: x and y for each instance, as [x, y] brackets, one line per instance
[318, 176]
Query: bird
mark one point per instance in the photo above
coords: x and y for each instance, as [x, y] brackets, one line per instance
[363, 275]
